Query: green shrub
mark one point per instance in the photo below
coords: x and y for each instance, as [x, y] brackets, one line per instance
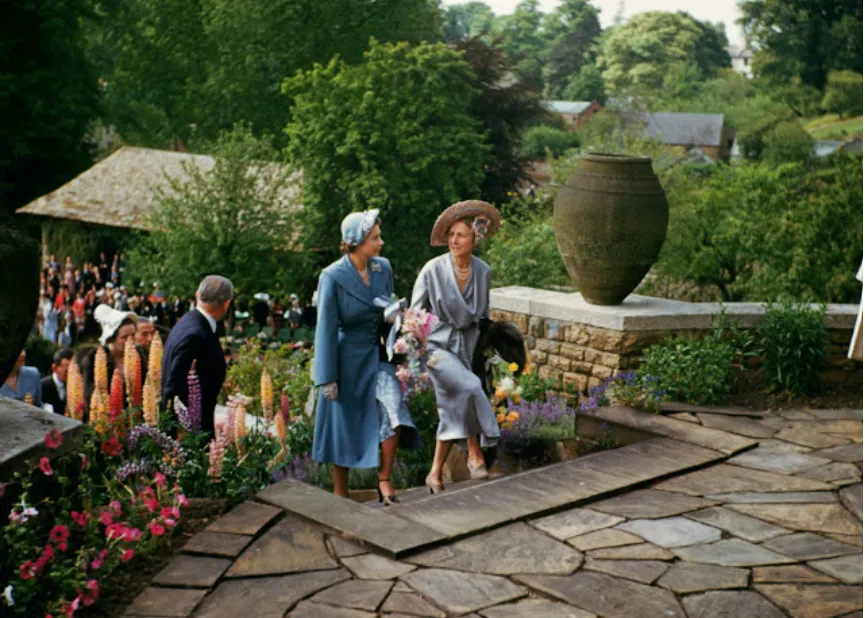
[693, 370]
[540, 139]
[843, 93]
[40, 354]
[288, 368]
[792, 339]
[788, 142]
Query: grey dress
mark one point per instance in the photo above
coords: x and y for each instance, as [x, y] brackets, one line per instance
[463, 407]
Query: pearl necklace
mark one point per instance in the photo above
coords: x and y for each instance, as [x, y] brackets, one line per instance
[463, 274]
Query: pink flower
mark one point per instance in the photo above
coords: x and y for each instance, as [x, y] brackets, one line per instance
[48, 552]
[156, 528]
[80, 518]
[151, 504]
[84, 461]
[45, 466]
[96, 564]
[116, 531]
[127, 555]
[132, 535]
[159, 479]
[59, 534]
[53, 439]
[27, 569]
[181, 500]
[106, 518]
[403, 374]
[169, 522]
[400, 347]
[116, 506]
[147, 492]
[112, 447]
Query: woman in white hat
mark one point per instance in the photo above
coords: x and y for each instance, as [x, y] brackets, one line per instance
[456, 288]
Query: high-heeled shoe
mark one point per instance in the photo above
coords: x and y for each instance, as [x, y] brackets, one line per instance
[383, 499]
[479, 472]
[433, 486]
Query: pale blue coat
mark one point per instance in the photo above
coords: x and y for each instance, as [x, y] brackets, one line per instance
[347, 352]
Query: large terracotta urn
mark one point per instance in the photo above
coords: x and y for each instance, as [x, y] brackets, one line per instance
[19, 292]
[610, 222]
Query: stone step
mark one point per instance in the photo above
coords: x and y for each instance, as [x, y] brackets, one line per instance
[678, 406]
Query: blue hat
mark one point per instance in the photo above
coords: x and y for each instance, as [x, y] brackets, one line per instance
[357, 225]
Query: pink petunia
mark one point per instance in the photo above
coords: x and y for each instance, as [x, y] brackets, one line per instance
[116, 531]
[169, 522]
[159, 479]
[181, 500]
[151, 504]
[156, 528]
[106, 518]
[80, 518]
[116, 506]
[59, 534]
[48, 552]
[96, 563]
[27, 569]
[127, 555]
[45, 466]
[132, 535]
[53, 439]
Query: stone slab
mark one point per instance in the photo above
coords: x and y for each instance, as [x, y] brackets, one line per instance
[606, 595]
[804, 601]
[165, 602]
[811, 439]
[851, 497]
[687, 577]
[678, 406]
[672, 531]
[731, 552]
[838, 413]
[355, 594]
[604, 538]
[291, 546]
[217, 544]
[741, 604]
[783, 463]
[270, 597]
[684, 416]
[790, 574]
[682, 431]
[246, 518]
[643, 571]
[535, 608]
[809, 546]
[834, 472]
[458, 592]
[739, 525]
[781, 446]
[192, 572]
[516, 548]
[641, 551]
[343, 549]
[848, 453]
[808, 517]
[307, 609]
[373, 566]
[849, 539]
[575, 522]
[847, 569]
[650, 504]
[725, 478]
[411, 604]
[783, 497]
[738, 425]
[389, 534]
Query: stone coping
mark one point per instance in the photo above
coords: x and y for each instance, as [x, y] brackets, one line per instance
[22, 435]
[642, 313]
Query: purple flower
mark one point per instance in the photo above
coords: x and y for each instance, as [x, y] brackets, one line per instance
[164, 441]
[194, 400]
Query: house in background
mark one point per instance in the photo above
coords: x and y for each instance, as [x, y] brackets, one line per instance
[740, 58]
[575, 113]
[683, 132]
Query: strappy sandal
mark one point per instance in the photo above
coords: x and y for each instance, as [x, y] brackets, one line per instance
[383, 499]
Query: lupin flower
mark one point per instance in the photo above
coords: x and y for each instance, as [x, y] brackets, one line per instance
[182, 413]
[154, 363]
[129, 354]
[163, 440]
[141, 467]
[281, 433]
[217, 453]
[228, 426]
[115, 400]
[74, 391]
[98, 408]
[194, 399]
[150, 412]
[100, 370]
[134, 393]
[284, 408]
[266, 396]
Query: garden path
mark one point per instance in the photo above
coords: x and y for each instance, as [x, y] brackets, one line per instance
[767, 524]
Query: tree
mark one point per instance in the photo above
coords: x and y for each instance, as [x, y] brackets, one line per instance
[803, 38]
[232, 220]
[844, 94]
[504, 108]
[638, 54]
[525, 42]
[788, 142]
[573, 29]
[50, 93]
[587, 86]
[391, 133]
[464, 21]
[542, 139]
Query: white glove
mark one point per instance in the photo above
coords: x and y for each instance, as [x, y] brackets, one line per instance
[330, 390]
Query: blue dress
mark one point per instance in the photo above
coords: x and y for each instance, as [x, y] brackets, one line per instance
[347, 352]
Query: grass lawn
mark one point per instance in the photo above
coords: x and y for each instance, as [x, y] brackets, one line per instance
[832, 127]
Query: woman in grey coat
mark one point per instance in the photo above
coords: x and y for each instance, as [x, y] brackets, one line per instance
[456, 287]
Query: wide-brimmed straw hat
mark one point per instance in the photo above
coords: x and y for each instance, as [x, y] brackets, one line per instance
[485, 220]
[110, 320]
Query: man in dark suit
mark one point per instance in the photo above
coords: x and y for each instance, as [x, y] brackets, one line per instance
[54, 386]
[194, 338]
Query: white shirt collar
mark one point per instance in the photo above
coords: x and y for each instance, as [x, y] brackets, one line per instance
[209, 318]
[61, 388]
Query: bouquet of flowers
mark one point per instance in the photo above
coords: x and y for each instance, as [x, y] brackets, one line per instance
[417, 326]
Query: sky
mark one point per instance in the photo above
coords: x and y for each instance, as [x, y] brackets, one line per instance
[726, 11]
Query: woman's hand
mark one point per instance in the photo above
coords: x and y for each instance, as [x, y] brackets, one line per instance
[330, 390]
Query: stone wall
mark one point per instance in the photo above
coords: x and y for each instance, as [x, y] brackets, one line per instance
[584, 344]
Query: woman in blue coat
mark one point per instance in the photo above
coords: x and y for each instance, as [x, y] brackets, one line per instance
[360, 403]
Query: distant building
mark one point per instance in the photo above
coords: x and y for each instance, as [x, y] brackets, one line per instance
[684, 132]
[575, 113]
[740, 58]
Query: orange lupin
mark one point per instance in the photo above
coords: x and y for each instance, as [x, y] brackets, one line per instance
[100, 371]
[75, 392]
[266, 396]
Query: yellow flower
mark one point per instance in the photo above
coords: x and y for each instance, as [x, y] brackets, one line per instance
[506, 425]
[500, 394]
[500, 418]
[100, 370]
[266, 396]
[154, 364]
[75, 392]
[150, 412]
[513, 417]
[513, 367]
[516, 398]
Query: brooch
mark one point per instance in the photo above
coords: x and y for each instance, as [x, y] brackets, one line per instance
[375, 267]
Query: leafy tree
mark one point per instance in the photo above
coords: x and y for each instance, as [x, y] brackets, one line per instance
[230, 220]
[464, 21]
[392, 133]
[788, 142]
[844, 94]
[50, 93]
[588, 85]
[525, 42]
[638, 54]
[541, 140]
[682, 81]
[573, 29]
[803, 38]
[504, 107]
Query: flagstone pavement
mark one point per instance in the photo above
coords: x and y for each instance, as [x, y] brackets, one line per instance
[773, 531]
